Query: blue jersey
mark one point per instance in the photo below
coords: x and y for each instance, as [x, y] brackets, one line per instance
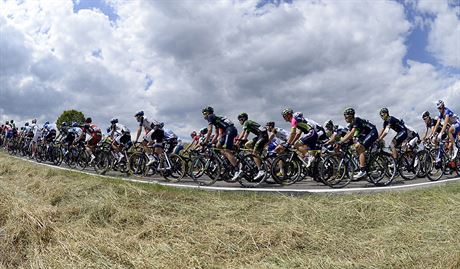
[394, 124]
[453, 118]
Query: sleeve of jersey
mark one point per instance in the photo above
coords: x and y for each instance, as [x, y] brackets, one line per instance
[212, 119]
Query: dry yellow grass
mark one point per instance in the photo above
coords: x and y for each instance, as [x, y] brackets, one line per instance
[58, 219]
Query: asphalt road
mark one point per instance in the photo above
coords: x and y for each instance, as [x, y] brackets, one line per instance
[307, 185]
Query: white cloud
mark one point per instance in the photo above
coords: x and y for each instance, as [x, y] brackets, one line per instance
[318, 57]
[444, 37]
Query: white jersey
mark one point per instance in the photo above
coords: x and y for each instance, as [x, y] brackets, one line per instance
[34, 127]
[120, 129]
[281, 134]
[76, 130]
[314, 124]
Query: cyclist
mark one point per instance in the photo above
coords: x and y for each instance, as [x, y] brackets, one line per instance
[450, 118]
[49, 132]
[121, 137]
[430, 123]
[302, 142]
[154, 134]
[37, 135]
[170, 140]
[257, 143]
[276, 137]
[366, 134]
[334, 132]
[390, 122]
[225, 133]
[73, 134]
[95, 134]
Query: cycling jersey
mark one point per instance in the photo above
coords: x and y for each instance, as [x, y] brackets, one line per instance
[252, 127]
[75, 130]
[362, 127]
[453, 118]
[169, 134]
[119, 129]
[432, 123]
[219, 121]
[93, 129]
[301, 124]
[395, 124]
[281, 134]
[148, 126]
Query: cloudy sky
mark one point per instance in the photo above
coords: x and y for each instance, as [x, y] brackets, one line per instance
[170, 58]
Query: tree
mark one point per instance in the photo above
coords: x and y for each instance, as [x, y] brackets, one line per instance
[70, 116]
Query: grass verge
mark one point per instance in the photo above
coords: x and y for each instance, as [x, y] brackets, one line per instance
[57, 219]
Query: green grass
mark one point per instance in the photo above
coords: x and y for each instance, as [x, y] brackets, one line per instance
[57, 219]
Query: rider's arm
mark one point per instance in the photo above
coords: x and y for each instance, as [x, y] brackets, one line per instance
[293, 136]
[208, 135]
[435, 127]
[139, 130]
[331, 139]
[348, 136]
[446, 120]
[384, 133]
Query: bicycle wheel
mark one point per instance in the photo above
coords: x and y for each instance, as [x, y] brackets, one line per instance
[102, 163]
[408, 165]
[83, 159]
[137, 163]
[382, 169]
[438, 166]
[56, 155]
[205, 170]
[177, 171]
[250, 171]
[285, 171]
[336, 172]
[425, 163]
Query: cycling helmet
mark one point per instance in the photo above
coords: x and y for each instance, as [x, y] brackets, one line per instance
[208, 110]
[287, 111]
[64, 124]
[27, 124]
[139, 114]
[88, 120]
[74, 124]
[204, 130]
[114, 120]
[46, 123]
[384, 110]
[193, 134]
[298, 115]
[243, 116]
[12, 121]
[329, 125]
[270, 124]
[349, 112]
[440, 104]
[425, 114]
[34, 121]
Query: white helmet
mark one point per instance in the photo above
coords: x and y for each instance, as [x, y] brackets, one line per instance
[440, 104]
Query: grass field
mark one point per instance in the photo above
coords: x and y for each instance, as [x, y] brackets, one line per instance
[58, 219]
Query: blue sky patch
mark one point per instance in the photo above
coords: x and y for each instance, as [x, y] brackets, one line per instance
[148, 82]
[100, 5]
